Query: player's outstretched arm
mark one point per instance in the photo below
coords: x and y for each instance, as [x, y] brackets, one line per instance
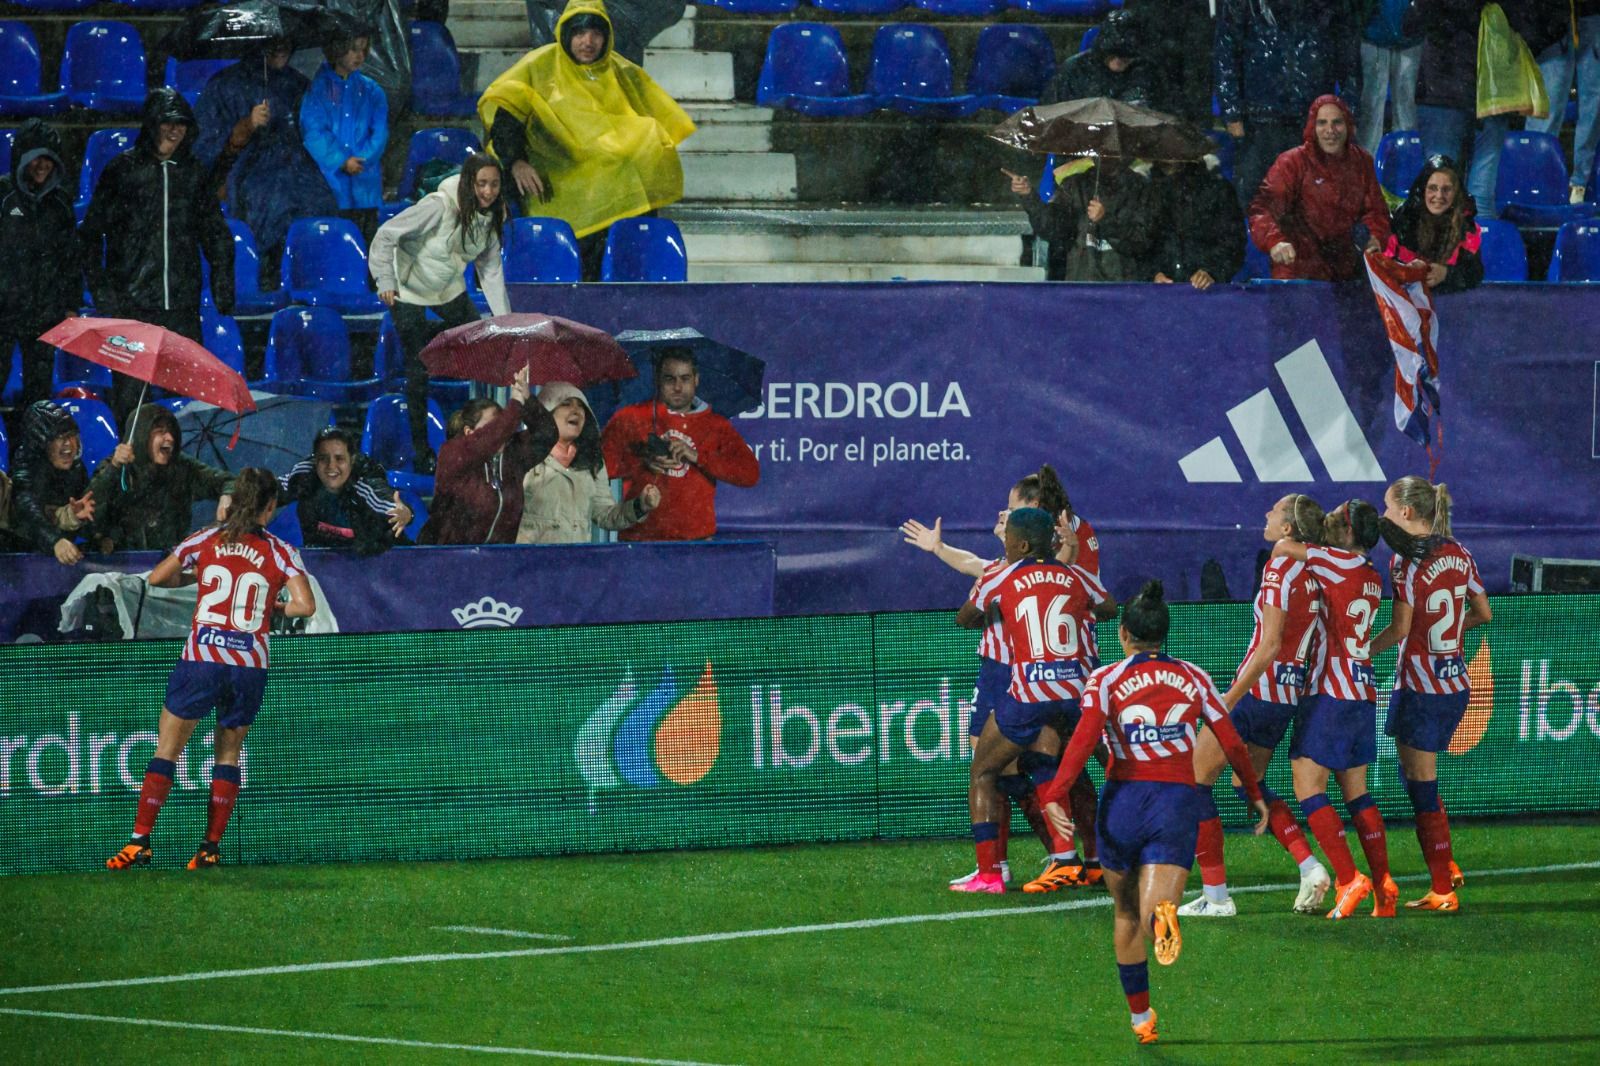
[1291, 548]
[1478, 612]
[302, 601]
[165, 575]
[932, 540]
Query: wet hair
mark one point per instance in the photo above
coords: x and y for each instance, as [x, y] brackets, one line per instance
[1145, 617]
[576, 25]
[467, 211]
[328, 433]
[1037, 529]
[1043, 489]
[1432, 504]
[341, 39]
[1438, 235]
[1363, 518]
[1305, 519]
[467, 415]
[676, 354]
[254, 490]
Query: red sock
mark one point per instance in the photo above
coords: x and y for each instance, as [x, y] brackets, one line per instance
[1085, 805]
[1208, 850]
[1287, 830]
[1329, 831]
[988, 856]
[1433, 833]
[152, 794]
[1005, 830]
[1374, 841]
[224, 793]
[1036, 820]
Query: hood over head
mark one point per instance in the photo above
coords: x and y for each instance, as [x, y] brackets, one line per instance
[43, 422]
[1432, 166]
[143, 422]
[582, 15]
[1309, 136]
[557, 393]
[166, 105]
[36, 138]
[1118, 36]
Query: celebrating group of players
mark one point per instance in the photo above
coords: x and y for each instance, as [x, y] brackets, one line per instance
[1043, 706]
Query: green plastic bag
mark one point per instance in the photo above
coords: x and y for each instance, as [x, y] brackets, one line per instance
[1509, 82]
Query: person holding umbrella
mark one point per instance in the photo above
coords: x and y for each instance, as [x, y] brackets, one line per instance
[569, 493]
[1103, 215]
[146, 492]
[418, 260]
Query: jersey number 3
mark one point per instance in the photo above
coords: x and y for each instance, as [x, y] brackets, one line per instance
[247, 600]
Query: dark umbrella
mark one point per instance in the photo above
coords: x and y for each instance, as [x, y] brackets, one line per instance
[230, 31]
[1104, 128]
[276, 436]
[493, 350]
[730, 379]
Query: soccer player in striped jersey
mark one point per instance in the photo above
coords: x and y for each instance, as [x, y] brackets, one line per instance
[1044, 606]
[1148, 706]
[1438, 596]
[241, 568]
[1337, 725]
[1263, 699]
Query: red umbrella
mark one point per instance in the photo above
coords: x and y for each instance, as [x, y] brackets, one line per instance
[492, 350]
[155, 356]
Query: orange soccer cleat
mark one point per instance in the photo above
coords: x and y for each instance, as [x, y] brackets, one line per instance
[133, 853]
[1435, 901]
[1164, 925]
[1056, 875]
[1384, 897]
[1457, 878]
[206, 858]
[1145, 1032]
[1348, 896]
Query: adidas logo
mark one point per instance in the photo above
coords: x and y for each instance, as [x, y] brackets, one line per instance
[1265, 437]
[486, 612]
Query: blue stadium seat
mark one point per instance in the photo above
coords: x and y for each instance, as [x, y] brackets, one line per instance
[1086, 42]
[645, 249]
[325, 265]
[1577, 254]
[97, 428]
[390, 208]
[911, 72]
[146, 6]
[1257, 264]
[1224, 151]
[388, 358]
[1532, 186]
[308, 354]
[1064, 8]
[20, 69]
[964, 8]
[1505, 257]
[103, 67]
[285, 525]
[7, 136]
[222, 337]
[806, 70]
[189, 76]
[71, 371]
[1011, 67]
[387, 438]
[102, 147]
[449, 143]
[174, 403]
[475, 291]
[419, 510]
[859, 7]
[540, 250]
[248, 299]
[5, 448]
[755, 7]
[11, 387]
[1047, 180]
[1400, 160]
[41, 7]
[436, 73]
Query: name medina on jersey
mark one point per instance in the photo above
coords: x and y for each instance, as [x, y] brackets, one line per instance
[242, 551]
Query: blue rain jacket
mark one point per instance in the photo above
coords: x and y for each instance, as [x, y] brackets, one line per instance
[344, 117]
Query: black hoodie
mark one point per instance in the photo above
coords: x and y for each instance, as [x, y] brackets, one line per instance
[40, 490]
[42, 281]
[153, 218]
[146, 506]
[356, 518]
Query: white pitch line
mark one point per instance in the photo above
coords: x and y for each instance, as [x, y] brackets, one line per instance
[500, 932]
[347, 1038]
[679, 941]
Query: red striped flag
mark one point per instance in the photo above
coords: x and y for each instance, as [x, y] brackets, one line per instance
[1413, 329]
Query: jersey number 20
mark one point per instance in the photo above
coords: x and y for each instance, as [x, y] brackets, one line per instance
[248, 599]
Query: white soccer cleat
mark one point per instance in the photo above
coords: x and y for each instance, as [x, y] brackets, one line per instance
[1314, 888]
[1005, 876]
[1201, 907]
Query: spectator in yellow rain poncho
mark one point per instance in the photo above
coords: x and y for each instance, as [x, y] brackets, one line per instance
[584, 134]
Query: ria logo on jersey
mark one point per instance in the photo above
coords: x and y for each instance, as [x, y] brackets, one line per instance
[1264, 434]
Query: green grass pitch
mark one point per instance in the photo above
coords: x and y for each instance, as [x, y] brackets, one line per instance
[1512, 976]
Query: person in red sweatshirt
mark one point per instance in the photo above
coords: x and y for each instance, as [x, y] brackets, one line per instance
[1309, 207]
[678, 444]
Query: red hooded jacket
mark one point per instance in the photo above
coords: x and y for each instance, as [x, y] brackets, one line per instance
[1314, 200]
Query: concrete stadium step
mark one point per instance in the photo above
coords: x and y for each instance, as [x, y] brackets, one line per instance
[809, 272]
[689, 75]
[504, 24]
[738, 176]
[729, 128]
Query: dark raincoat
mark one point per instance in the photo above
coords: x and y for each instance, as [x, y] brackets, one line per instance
[1115, 248]
[356, 518]
[39, 490]
[150, 220]
[1086, 73]
[42, 281]
[1198, 224]
[1273, 57]
[145, 506]
[1463, 261]
[273, 180]
[1315, 202]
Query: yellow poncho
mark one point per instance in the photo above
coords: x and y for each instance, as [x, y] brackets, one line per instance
[602, 136]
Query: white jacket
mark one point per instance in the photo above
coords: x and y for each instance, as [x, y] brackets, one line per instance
[563, 504]
[421, 255]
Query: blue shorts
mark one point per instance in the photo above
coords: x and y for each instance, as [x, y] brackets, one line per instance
[1338, 734]
[194, 689]
[1261, 723]
[1425, 722]
[1145, 822]
[993, 678]
[1021, 722]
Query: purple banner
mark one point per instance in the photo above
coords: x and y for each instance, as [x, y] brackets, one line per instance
[1176, 419]
[456, 588]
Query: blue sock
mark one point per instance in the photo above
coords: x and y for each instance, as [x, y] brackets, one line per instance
[1360, 803]
[161, 767]
[1424, 795]
[1136, 986]
[1206, 803]
[983, 831]
[1311, 804]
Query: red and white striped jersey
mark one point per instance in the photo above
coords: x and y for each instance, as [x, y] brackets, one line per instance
[1045, 609]
[1352, 588]
[239, 582]
[1149, 707]
[992, 644]
[1288, 585]
[1088, 545]
[1437, 589]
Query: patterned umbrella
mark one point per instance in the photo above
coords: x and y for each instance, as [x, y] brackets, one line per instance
[155, 356]
[493, 350]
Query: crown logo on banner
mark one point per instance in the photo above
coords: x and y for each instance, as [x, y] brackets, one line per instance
[486, 612]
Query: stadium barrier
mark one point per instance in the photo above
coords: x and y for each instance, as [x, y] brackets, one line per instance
[510, 742]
